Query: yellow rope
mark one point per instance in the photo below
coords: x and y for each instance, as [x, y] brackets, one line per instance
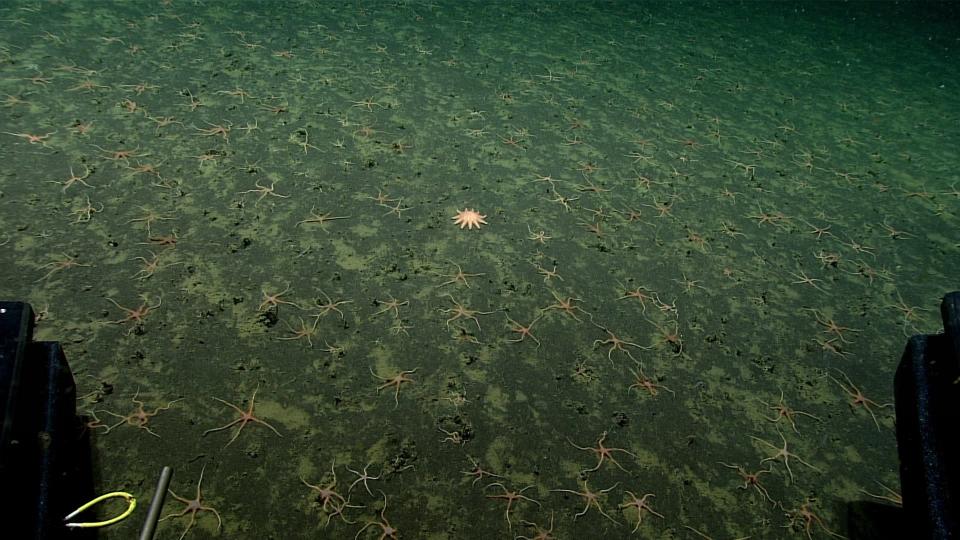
[131, 505]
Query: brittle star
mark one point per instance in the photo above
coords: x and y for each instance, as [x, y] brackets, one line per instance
[245, 418]
[193, 507]
[592, 498]
[139, 417]
[510, 497]
[641, 504]
[363, 477]
[784, 454]
[602, 452]
[394, 381]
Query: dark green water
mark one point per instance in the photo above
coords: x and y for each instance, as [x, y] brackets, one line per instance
[713, 223]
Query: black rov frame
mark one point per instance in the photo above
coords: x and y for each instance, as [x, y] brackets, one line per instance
[927, 395]
[45, 462]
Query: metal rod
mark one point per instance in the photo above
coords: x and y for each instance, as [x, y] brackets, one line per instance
[153, 513]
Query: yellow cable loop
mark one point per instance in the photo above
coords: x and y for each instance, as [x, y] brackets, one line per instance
[131, 505]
